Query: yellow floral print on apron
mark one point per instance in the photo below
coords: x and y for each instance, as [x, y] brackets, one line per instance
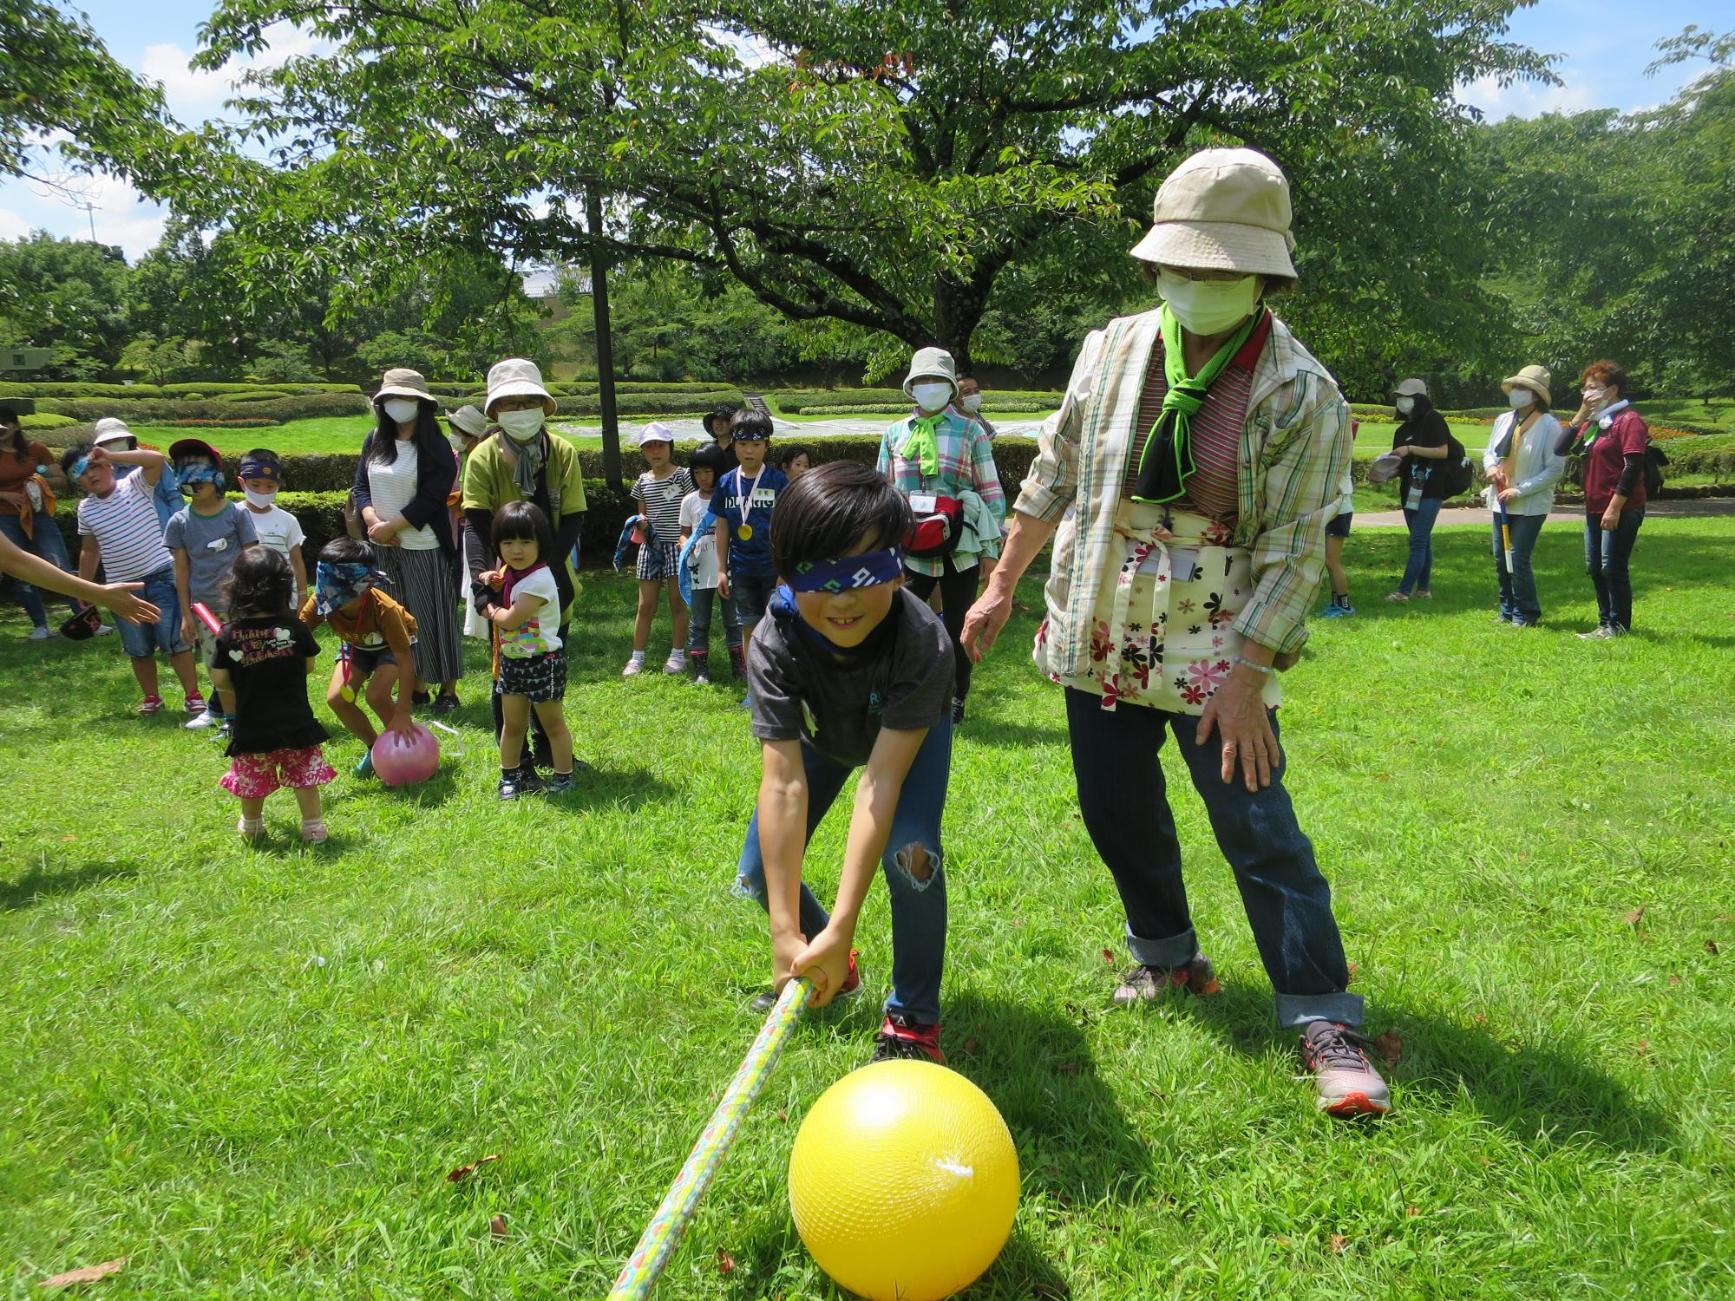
[1161, 634]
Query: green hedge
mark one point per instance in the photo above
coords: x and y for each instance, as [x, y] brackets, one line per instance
[183, 411]
[197, 389]
[46, 420]
[796, 401]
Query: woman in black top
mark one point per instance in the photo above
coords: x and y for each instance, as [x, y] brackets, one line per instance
[1422, 440]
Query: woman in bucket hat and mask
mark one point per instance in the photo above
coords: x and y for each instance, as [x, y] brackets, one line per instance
[1203, 449]
[402, 481]
[522, 461]
[938, 451]
[1521, 467]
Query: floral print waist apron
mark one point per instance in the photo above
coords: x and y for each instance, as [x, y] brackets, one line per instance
[1160, 624]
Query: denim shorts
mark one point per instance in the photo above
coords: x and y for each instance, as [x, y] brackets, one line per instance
[751, 594]
[143, 640]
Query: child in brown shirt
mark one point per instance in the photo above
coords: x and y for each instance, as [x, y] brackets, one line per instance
[377, 635]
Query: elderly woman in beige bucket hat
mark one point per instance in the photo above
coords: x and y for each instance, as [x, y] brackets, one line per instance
[1187, 481]
[1522, 468]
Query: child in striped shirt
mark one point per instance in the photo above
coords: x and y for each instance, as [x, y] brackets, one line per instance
[658, 492]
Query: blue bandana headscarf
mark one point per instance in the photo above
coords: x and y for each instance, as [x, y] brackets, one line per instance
[78, 467]
[848, 572]
[191, 472]
[338, 585]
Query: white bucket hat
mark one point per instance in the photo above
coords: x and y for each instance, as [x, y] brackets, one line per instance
[1411, 388]
[468, 420]
[656, 432]
[932, 363]
[402, 382]
[516, 378]
[1222, 210]
[1535, 378]
[110, 430]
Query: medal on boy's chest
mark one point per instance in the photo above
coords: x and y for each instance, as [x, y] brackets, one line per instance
[744, 531]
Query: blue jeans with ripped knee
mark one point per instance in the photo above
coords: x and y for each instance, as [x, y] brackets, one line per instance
[918, 906]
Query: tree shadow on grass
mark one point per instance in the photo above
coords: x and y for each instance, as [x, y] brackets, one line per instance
[42, 882]
[1544, 1095]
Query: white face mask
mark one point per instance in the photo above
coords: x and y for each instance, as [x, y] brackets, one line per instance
[932, 395]
[1206, 307]
[259, 498]
[971, 403]
[1595, 397]
[1405, 406]
[401, 410]
[520, 426]
[1520, 398]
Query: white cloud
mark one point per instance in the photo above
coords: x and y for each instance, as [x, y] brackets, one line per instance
[197, 94]
[12, 226]
[1575, 94]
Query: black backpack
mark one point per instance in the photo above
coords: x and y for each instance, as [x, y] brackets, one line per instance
[1457, 471]
[1654, 463]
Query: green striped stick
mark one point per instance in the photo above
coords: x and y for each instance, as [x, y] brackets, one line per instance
[663, 1234]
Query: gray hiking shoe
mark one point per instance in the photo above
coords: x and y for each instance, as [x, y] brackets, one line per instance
[1144, 983]
[1348, 1084]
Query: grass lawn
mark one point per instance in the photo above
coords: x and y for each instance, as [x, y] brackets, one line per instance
[250, 1070]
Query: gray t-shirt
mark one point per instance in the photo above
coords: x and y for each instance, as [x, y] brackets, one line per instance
[212, 542]
[901, 680]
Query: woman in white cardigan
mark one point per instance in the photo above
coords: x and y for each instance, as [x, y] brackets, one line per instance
[1522, 468]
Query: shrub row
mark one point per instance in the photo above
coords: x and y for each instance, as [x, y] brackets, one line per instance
[185, 411]
[583, 388]
[188, 389]
[1000, 407]
[45, 420]
[799, 400]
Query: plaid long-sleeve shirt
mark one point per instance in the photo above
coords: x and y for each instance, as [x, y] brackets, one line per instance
[1294, 450]
[966, 463]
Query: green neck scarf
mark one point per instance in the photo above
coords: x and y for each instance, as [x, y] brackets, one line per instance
[922, 445]
[1167, 462]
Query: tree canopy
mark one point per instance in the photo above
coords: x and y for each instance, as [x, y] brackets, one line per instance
[878, 166]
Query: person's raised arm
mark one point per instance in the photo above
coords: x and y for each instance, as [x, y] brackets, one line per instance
[119, 597]
[150, 463]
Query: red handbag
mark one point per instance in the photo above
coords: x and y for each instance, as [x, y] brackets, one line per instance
[937, 523]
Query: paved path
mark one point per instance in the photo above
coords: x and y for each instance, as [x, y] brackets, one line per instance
[1664, 508]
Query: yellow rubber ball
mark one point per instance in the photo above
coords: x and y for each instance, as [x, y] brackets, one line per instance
[903, 1181]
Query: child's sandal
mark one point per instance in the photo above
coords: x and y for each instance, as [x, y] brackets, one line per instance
[250, 828]
[315, 832]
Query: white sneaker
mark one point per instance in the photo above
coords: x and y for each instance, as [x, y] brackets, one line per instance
[105, 630]
[200, 721]
[635, 666]
[676, 663]
[39, 633]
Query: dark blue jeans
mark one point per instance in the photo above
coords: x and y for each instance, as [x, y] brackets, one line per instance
[918, 906]
[45, 543]
[750, 594]
[1122, 795]
[1420, 567]
[1518, 599]
[1606, 553]
[699, 629]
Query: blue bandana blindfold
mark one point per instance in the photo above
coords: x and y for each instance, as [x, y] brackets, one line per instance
[338, 585]
[849, 572]
[191, 472]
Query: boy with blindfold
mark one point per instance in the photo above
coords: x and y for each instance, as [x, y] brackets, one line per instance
[377, 637]
[205, 537]
[261, 475]
[849, 670]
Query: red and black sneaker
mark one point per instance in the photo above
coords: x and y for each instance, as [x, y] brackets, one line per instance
[901, 1037]
[765, 1001]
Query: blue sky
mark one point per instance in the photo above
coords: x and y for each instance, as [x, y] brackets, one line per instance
[1603, 46]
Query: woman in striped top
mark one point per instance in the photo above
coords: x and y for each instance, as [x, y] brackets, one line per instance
[1203, 448]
